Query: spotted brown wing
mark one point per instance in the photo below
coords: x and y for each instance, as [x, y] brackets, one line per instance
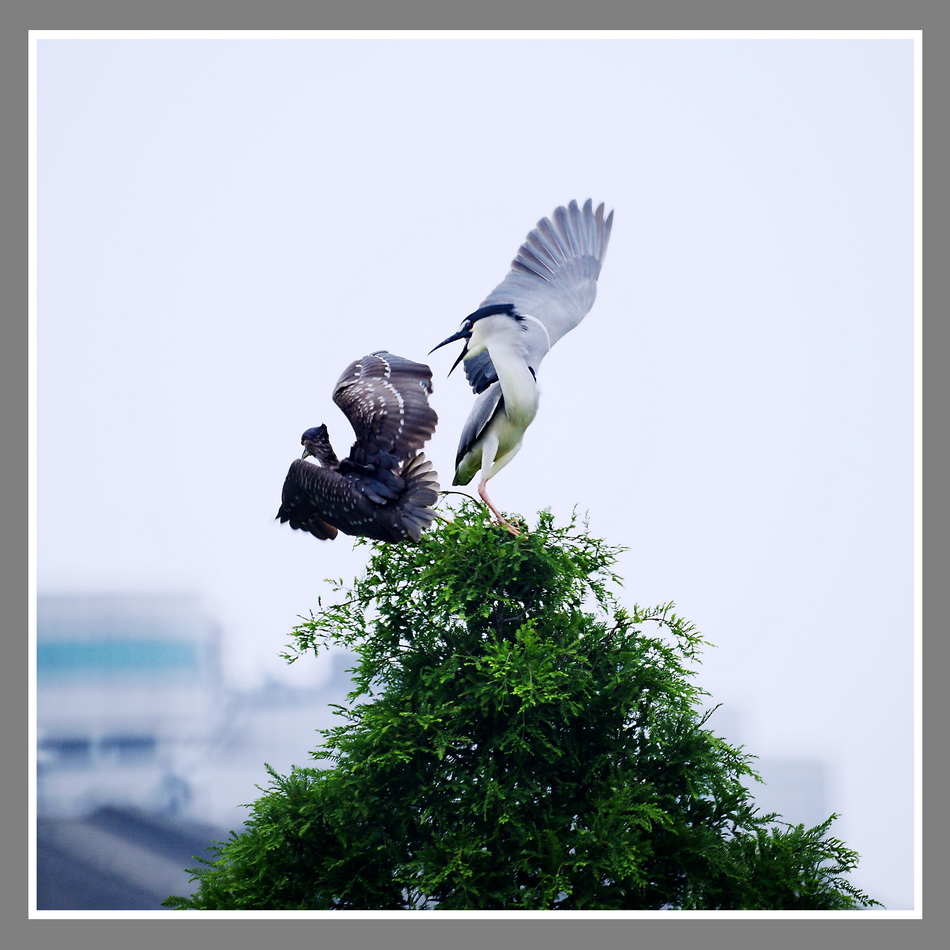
[386, 399]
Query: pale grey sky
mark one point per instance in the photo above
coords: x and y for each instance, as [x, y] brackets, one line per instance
[224, 224]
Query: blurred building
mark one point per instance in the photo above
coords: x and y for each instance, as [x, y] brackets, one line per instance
[127, 695]
[796, 787]
[144, 755]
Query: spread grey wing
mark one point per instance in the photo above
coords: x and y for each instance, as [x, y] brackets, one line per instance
[553, 278]
[386, 399]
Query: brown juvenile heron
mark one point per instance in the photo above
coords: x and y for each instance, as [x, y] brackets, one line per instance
[549, 290]
[385, 487]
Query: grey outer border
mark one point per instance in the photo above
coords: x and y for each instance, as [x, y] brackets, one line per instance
[433, 14]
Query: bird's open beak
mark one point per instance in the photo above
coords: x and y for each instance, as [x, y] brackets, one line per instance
[461, 335]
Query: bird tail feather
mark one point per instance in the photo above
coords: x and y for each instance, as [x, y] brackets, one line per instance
[420, 494]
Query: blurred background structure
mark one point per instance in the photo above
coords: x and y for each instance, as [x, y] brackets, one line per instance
[144, 754]
[128, 698]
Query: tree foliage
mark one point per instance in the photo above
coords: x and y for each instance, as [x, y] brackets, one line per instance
[517, 739]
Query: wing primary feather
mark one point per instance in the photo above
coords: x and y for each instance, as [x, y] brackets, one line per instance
[566, 232]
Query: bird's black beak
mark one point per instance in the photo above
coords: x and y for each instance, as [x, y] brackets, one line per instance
[461, 335]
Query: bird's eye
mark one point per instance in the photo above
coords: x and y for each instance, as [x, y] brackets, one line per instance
[467, 325]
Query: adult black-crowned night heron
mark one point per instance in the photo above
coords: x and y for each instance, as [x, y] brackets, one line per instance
[385, 487]
[549, 290]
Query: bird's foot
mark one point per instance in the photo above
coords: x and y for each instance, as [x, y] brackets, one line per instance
[499, 517]
[503, 522]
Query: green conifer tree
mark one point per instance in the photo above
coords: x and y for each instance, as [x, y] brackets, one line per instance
[517, 740]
